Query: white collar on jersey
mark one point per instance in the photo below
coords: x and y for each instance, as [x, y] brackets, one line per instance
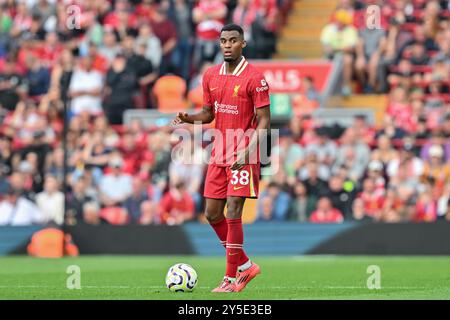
[237, 71]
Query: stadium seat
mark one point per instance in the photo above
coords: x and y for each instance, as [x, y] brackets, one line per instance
[169, 91]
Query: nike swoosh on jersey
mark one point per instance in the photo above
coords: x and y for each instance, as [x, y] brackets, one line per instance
[212, 89]
[232, 254]
[237, 188]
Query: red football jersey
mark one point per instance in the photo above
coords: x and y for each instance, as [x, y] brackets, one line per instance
[234, 98]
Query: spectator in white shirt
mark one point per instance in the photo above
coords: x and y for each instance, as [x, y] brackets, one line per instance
[85, 89]
[16, 210]
[116, 186]
[51, 201]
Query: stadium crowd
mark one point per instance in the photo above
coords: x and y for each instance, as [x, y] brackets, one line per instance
[399, 43]
[98, 59]
[151, 54]
[399, 172]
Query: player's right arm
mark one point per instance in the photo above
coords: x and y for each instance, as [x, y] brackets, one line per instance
[207, 113]
[204, 116]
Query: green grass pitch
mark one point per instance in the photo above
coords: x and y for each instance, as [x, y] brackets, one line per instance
[302, 277]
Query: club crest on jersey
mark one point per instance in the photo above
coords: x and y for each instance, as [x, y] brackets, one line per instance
[236, 91]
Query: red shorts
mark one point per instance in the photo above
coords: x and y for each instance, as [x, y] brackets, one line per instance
[221, 182]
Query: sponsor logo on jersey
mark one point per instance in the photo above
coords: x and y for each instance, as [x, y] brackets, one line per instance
[225, 108]
[264, 86]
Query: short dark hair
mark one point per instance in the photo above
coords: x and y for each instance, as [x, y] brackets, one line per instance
[233, 27]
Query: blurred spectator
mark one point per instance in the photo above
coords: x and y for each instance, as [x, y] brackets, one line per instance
[443, 203]
[188, 168]
[324, 148]
[311, 92]
[110, 46]
[274, 204]
[325, 213]
[6, 155]
[368, 54]
[149, 213]
[264, 27]
[76, 201]
[160, 154]
[436, 171]
[181, 56]
[91, 213]
[165, 30]
[142, 67]
[177, 205]
[314, 185]
[95, 154]
[133, 204]
[359, 211]
[51, 201]
[384, 151]
[406, 161]
[372, 199]
[390, 130]
[363, 130]
[153, 51]
[62, 74]
[16, 210]
[341, 199]
[437, 139]
[289, 154]
[353, 153]
[38, 78]
[85, 88]
[209, 17]
[121, 81]
[426, 208]
[245, 17]
[302, 204]
[341, 37]
[13, 86]
[376, 172]
[115, 187]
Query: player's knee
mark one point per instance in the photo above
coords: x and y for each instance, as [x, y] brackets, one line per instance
[213, 216]
[234, 211]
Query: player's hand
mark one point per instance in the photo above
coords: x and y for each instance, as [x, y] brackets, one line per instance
[180, 118]
[240, 161]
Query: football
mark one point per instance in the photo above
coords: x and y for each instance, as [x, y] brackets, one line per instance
[181, 277]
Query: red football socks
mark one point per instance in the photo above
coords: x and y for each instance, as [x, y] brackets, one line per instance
[235, 240]
[221, 229]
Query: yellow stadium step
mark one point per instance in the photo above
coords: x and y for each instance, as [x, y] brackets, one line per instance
[310, 4]
[300, 37]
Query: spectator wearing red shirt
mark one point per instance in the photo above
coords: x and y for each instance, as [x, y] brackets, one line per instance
[121, 19]
[325, 213]
[373, 198]
[209, 17]
[50, 50]
[264, 27]
[99, 62]
[399, 108]
[176, 205]
[145, 10]
[426, 207]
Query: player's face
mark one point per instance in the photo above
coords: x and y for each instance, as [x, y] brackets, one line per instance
[231, 44]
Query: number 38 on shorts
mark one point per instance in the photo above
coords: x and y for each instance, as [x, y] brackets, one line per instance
[244, 182]
[221, 182]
